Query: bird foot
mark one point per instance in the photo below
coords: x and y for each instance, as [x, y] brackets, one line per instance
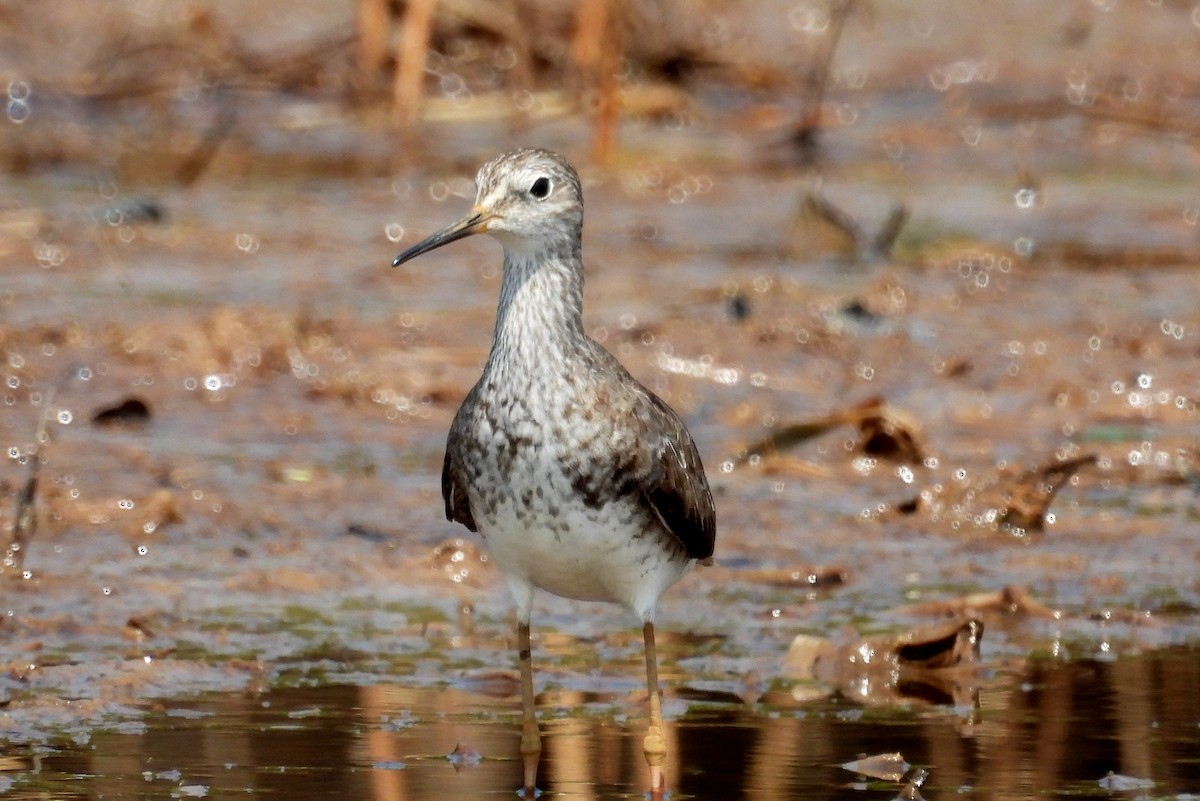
[531, 752]
[658, 790]
[655, 748]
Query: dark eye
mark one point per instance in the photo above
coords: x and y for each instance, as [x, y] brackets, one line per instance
[540, 188]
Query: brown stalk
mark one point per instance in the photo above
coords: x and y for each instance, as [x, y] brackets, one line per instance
[24, 524]
[807, 135]
[408, 89]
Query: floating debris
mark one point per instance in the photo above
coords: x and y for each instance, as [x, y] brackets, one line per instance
[884, 432]
[128, 411]
[888, 767]
[1030, 496]
[822, 227]
[816, 577]
[1010, 601]
[935, 664]
[24, 522]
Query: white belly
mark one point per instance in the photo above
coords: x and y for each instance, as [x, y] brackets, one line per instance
[526, 439]
[587, 554]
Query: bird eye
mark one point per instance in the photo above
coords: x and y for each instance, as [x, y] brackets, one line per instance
[541, 188]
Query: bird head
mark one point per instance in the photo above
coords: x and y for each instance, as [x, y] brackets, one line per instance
[527, 199]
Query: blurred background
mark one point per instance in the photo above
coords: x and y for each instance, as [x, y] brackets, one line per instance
[921, 277]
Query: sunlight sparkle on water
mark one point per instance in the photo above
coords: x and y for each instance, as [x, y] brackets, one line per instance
[698, 368]
[810, 19]
[18, 106]
[1171, 328]
[247, 243]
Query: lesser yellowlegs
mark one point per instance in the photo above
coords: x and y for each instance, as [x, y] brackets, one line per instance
[582, 481]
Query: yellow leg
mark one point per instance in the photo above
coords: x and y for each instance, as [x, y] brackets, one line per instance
[531, 740]
[655, 744]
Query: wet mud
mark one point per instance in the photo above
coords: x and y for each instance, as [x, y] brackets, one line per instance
[237, 576]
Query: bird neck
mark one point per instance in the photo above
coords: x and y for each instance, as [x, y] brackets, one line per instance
[541, 306]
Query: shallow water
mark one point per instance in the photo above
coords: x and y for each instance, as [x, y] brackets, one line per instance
[254, 587]
[1050, 729]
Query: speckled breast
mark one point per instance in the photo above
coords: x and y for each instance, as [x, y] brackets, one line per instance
[546, 491]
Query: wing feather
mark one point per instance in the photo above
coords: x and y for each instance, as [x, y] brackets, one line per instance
[675, 484]
[454, 493]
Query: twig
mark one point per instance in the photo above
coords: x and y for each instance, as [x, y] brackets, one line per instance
[408, 89]
[807, 136]
[197, 161]
[25, 518]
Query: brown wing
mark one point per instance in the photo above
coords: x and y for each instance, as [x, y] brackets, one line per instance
[454, 493]
[675, 484]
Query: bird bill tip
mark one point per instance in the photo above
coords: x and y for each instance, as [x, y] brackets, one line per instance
[474, 223]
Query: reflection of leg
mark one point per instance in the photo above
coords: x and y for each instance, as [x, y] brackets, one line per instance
[531, 741]
[655, 743]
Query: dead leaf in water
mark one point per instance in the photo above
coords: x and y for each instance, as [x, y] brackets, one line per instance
[888, 767]
[884, 432]
[788, 436]
[889, 434]
[128, 411]
[1030, 496]
[24, 522]
[1012, 500]
[939, 648]
[25, 517]
[156, 510]
[935, 664]
[819, 577]
[821, 227]
[1012, 601]
[138, 630]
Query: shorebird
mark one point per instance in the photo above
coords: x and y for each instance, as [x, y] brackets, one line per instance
[582, 482]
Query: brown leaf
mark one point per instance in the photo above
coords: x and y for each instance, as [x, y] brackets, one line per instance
[884, 432]
[129, 411]
[1034, 491]
[817, 577]
[1013, 601]
[925, 664]
[788, 436]
[889, 434]
[138, 629]
[939, 648]
[888, 767]
[155, 511]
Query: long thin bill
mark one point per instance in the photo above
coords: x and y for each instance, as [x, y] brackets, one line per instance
[474, 223]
